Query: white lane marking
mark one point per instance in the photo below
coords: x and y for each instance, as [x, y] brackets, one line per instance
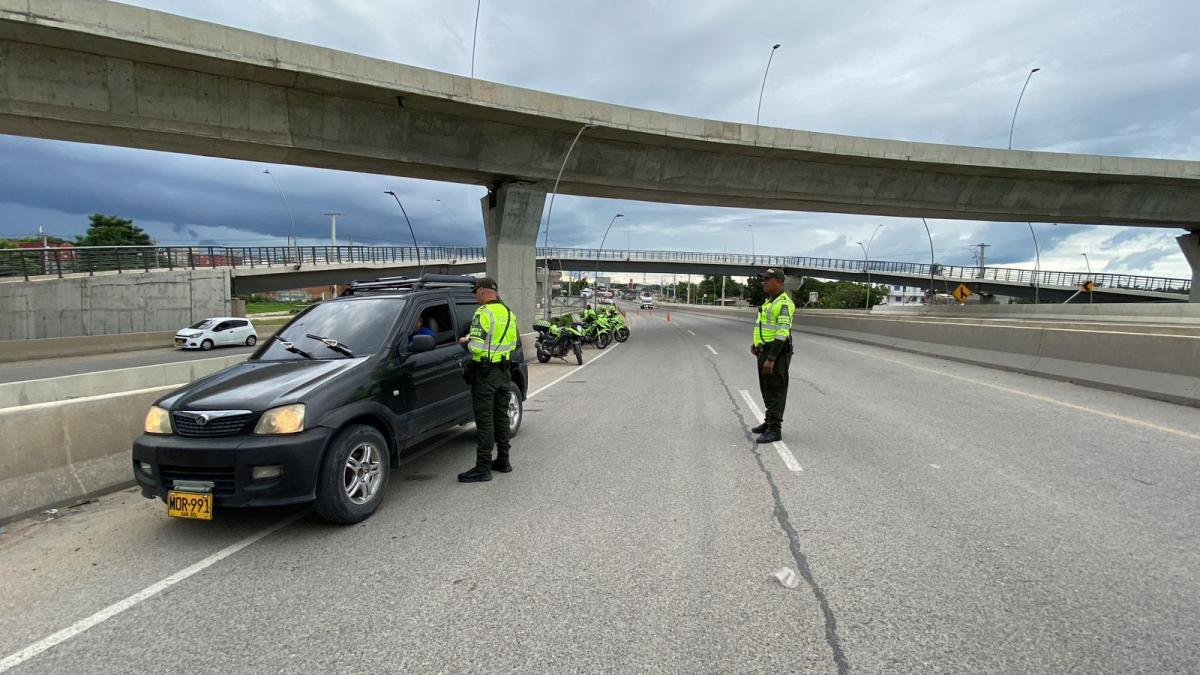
[116, 608]
[689, 330]
[785, 454]
[711, 349]
[570, 372]
[936, 466]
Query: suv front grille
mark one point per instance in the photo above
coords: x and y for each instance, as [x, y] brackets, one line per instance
[222, 477]
[229, 425]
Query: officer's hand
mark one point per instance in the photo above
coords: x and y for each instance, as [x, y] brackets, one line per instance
[754, 350]
[768, 367]
[463, 339]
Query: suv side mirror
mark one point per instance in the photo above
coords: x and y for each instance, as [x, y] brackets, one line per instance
[422, 343]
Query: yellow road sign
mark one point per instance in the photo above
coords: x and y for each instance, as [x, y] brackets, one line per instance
[962, 293]
[1087, 286]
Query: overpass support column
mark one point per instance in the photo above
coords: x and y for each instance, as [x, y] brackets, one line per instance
[1190, 243]
[512, 214]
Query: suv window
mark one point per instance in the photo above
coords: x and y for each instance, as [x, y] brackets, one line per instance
[437, 318]
[362, 325]
[465, 311]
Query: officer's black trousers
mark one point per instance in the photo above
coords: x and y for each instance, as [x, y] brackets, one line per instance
[489, 397]
[774, 387]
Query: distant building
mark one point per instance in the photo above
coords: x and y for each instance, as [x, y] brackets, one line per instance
[904, 295]
[310, 294]
[216, 260]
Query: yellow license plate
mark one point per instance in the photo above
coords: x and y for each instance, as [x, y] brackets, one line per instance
[179, 341]
[198, 505]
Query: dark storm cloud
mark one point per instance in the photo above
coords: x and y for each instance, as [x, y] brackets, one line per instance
[1117, 78]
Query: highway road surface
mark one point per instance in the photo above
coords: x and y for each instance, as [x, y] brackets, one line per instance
[939, 516]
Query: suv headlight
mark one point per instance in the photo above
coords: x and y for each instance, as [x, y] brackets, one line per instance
[286, 419]
[158, 421]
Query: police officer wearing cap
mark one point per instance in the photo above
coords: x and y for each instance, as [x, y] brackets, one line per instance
[491, 342]
[773, 347]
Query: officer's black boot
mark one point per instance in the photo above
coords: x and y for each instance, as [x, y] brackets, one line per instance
[501, 462]
[770, 436]
[762, 428]
[478, 474]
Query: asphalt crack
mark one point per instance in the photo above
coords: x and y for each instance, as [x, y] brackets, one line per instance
[793, 537]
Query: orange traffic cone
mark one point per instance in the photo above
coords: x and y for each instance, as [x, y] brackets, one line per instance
[668, 316]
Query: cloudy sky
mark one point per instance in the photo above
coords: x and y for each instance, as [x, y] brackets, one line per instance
[1117, 78]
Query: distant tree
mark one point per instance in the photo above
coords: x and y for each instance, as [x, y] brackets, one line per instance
[754, 290]
[839, 294]
[113, 231]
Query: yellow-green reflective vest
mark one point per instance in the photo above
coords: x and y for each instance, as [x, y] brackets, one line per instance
[774, 320]
[493, 333]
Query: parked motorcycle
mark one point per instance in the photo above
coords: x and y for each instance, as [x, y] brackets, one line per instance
[597, 332]
[555, 342]
[620, 329]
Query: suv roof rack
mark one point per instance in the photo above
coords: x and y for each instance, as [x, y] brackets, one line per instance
[401, 284]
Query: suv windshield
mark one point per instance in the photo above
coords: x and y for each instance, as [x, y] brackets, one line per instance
[360, 325]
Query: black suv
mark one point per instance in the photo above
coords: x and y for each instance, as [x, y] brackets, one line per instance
[323, 410]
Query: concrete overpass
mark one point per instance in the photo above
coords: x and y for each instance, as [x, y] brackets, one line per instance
[101, 72]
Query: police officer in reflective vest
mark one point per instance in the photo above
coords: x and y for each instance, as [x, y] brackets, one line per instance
[773, 347]
[492, 339]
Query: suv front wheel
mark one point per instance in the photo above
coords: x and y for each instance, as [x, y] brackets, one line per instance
[353, 476]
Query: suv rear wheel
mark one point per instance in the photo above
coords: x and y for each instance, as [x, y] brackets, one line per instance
[516, 409]
[353, 476]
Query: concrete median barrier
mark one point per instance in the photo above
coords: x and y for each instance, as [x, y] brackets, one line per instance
[68, 387]
[58, 347]
[64, 450]
[61, 347]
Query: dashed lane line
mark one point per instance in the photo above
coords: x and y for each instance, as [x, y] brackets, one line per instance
[789, 460]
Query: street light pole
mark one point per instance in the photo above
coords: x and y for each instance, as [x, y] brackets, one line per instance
[602, 240]
[764, 85]
[932, 294]
[867, 262]
[1018, 107]
[1037, 266]
[416, 246]
[1089, 269]
[752, 253]
[549, 211]
[867, 303]
[475, 36]
[295, 241]
[1037, 252]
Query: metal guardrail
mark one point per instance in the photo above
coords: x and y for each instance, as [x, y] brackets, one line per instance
[30, 262]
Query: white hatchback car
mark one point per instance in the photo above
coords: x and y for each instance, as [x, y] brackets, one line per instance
[217, 332]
